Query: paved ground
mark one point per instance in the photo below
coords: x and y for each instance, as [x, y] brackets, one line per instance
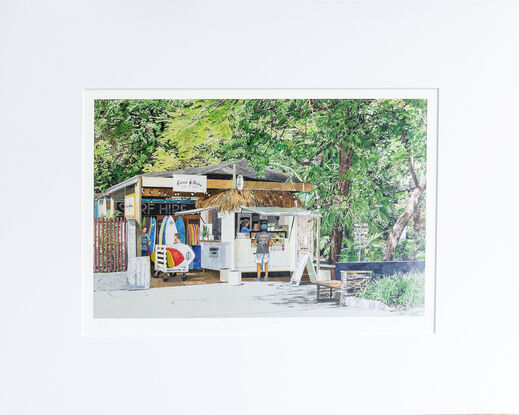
[251, 299]
[200, 277]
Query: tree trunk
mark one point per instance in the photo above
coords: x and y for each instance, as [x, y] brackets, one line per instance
[335, 244]
[401, 223]
[343, 192]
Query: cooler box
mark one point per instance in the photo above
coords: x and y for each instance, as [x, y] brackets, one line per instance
[216, 255]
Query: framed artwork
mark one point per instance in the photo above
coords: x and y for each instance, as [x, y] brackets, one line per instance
[359, 165]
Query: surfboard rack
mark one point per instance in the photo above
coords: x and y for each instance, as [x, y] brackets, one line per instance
[161, 265]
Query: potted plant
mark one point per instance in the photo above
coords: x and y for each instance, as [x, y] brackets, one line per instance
[205, 232]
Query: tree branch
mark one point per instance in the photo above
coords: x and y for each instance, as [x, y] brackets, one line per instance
[288, 168]
[413, 172]
[308, 162]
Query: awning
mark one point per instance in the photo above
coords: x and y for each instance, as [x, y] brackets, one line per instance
[193, 211]
[279, 211]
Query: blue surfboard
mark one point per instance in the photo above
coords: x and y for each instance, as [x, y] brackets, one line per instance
[153, 230]
[181, 230]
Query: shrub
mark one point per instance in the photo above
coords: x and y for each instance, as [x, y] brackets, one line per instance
[398, 290]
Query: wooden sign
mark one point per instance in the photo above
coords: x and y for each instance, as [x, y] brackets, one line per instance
[129, 206]
[305, 261]
[189, 183]
[360, 237]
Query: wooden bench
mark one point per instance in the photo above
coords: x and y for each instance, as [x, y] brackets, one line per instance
[331, 285]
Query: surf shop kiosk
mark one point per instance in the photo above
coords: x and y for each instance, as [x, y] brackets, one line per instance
[212, 205]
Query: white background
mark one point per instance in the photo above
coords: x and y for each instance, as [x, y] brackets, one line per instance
[51, 50]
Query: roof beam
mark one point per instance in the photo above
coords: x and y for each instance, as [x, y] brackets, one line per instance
[167, 182]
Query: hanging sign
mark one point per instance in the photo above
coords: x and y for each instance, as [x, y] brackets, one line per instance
[129, 206]
[189, 183]
[239, 182]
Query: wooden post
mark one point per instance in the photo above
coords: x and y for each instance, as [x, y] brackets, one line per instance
[125, 233]
[138, 212]
[121, 241]
[112, 206]
[95, 244]
[318, 231]
[109, 245]
[103, 243]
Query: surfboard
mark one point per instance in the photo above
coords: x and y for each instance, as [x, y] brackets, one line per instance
[181, 230]
[178, 254]
[169, 232]
[174, 257]
[187, 252]
[162, 234]
[160, 231]
[153, 231]
[102, 208]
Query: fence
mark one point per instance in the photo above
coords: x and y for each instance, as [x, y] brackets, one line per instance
[110, 248]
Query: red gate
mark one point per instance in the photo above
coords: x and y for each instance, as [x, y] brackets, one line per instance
[110, 248]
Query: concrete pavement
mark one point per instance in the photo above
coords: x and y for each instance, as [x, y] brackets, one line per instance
[251, 299]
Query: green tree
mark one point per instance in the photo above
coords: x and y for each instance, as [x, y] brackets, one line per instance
[316, 139]
[195, 132]
[126, 134]
[408, 128]
[354, 151]
[366, 158]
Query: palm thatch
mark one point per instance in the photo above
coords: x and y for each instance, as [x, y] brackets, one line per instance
[229, 200]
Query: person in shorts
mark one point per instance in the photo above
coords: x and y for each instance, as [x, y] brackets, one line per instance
[145, 242]
[264, 241]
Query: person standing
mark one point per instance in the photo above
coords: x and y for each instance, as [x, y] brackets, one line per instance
[145, 242]
[245, 226]
[263, 241]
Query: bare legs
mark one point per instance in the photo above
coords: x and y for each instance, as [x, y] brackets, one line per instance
[258, 271]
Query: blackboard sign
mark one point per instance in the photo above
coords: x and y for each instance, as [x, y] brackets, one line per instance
[158, 208]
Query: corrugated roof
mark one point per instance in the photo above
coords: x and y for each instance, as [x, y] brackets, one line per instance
[243, 168]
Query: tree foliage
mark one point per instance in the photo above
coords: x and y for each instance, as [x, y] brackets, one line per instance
[356, 152]
[195, 133]
[126, 135]
[364, 156]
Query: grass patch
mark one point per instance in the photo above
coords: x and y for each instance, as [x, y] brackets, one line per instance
[398, 290]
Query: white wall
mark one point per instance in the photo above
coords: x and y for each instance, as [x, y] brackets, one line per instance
[51, 50]
[228, 232]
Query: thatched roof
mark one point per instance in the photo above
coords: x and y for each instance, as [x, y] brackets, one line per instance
[229, 200]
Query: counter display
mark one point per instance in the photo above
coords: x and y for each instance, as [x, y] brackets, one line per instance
[278, 239]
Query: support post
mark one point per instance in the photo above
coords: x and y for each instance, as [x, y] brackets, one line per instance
[227, 233]
[112, 206]
[138, 212]
[318, 249]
